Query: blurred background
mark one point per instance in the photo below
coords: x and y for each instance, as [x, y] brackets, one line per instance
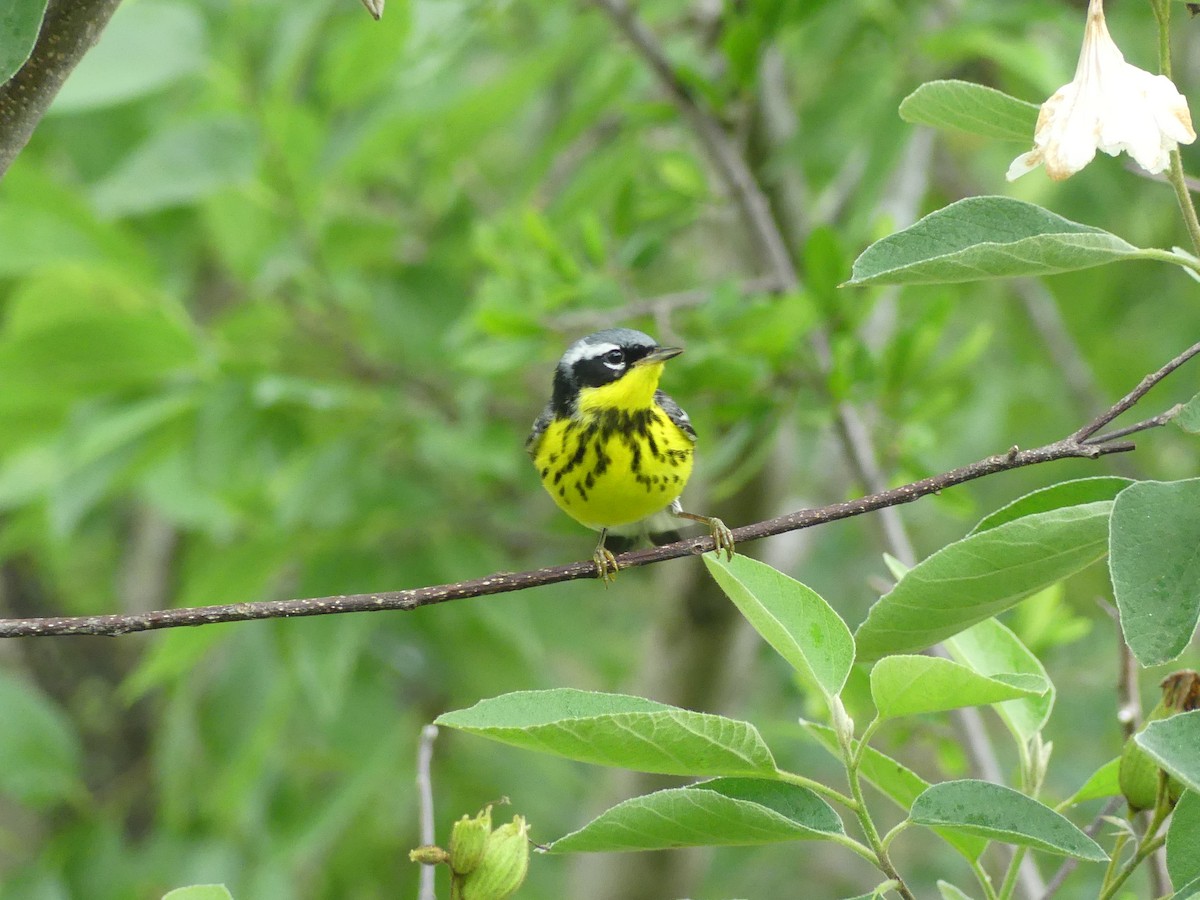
[281, 291]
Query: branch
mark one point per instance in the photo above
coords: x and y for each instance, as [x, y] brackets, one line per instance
[69, 30]
[1085, 433]
[730, 163]
[1074, 446]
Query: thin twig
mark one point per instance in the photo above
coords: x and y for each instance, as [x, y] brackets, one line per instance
[414, 598]
[1070, 865]
[1161, 419]
[1133, 397]
[730, 163]
[425, 800]
[1162, 15]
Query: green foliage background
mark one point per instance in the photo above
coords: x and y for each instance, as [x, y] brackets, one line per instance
[280, 292]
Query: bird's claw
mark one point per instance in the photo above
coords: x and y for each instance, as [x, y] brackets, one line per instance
[606, 565]
[722, 537]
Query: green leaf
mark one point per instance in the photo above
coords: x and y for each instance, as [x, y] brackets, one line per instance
[40, 758]
[896, 781]
[1066, 493]
[1155, 566]
[179, 165]
[721, 812]
[199, 892]
[1002, 814]
[1044, 620]
[47, 371]
[988, 237]
[1183, 840]
[1104, 782]
[897, 568]
[950, 892]
[49, 230]
[1188, 418]
[791, 617]
[1174, 744]
[1189, 891]
[981, 576]
[618, 730]
[166, 38]
[991, 649]
[973, 108]
[19, 27]
[909, 685]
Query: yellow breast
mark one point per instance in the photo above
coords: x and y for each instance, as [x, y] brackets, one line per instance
[611, 466]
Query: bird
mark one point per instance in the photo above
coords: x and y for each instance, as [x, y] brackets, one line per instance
[614, 451]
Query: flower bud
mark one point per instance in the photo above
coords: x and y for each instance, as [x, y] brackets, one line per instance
[1139, 773]
[1138, 776]
[468, 838]
[503, 867]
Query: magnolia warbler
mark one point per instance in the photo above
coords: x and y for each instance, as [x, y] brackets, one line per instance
[614, 451]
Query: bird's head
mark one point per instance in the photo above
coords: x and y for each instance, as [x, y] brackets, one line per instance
[617, 367]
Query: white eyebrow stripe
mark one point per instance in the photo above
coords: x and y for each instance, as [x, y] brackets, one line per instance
[580, 350]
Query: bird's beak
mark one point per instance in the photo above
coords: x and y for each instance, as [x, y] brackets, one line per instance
[658, 355]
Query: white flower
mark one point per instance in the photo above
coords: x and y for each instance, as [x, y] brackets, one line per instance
[1109, 105]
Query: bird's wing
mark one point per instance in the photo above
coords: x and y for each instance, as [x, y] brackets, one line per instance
[675, 413]
[540, 424]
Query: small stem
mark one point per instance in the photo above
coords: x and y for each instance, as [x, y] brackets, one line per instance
[854, 846]
[983, 878]
[1149, 842]
[1114, 858]
[1184, 196]
[817, 788]
[861, 749]
[1010, 877]
[1162, 14]
[1146, 424]
[894, 833]
[880, 855]
[1147, 847]
[851, 756]
[1185, 204]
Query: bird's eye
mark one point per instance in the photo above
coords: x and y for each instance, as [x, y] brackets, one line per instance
[614, 358]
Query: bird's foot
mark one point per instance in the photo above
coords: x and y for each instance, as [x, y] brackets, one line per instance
[722, 537]
[606, 565]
